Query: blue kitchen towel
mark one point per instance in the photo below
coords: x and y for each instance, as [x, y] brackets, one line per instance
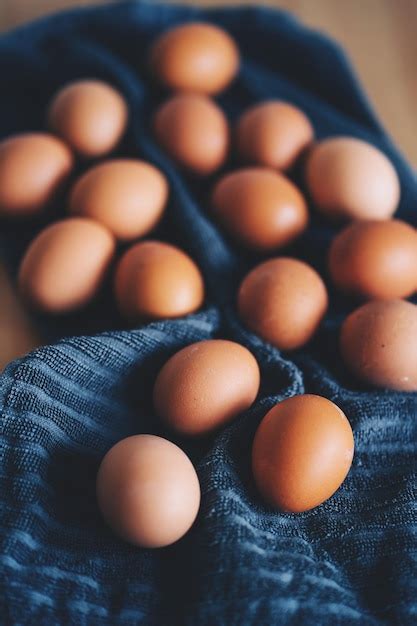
[350, 561]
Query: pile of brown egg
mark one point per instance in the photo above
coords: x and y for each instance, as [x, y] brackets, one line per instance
[303, 448]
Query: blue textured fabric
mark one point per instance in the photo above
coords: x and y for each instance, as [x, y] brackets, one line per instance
[350, 561]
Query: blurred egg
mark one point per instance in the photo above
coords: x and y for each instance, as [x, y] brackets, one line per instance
[195, 57]
[33, 167]
[283, 301]
[378, 343]
[90, 115]
[351, 179]
[148, 491]
[302, 453]
[194, 131]
[154, 280]
[260, 208]
[205, 385]
[65, 265]
[273, 134]
[127, 196]
[375, 259]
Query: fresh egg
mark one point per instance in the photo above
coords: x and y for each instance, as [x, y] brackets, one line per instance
[90, 115]
[260, 208]
[126, 195]
[194, 131]
[148, 491]
[302, 453]
[273, 134]
[375, 259]
[351, 179]
[283, 300]
[206, 385]
[195, 57]
[65, 265]
[33, 168]
[378, 343]
[155, 280]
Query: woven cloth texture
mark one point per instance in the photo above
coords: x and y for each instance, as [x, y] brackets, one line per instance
[352, 560]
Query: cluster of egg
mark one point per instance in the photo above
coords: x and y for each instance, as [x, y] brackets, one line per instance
[147, 488]
[116, 200]
[284, 300]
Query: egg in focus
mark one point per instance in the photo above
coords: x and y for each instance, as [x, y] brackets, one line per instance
[302, 452]
[283, 300]
[206, 385]
[378, 344]
[148, 491]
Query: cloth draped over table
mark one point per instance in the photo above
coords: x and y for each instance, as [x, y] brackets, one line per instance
[351, 560]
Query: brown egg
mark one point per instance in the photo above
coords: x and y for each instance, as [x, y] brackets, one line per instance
[127, 196]
[351, 179]
[65, 265]
[260, 208]
[33, 167]
[154, 280]
[378, 343]
[302, 453]
[196, 57]
[90, 115]
[375, 259]
[194, 131]
[283, 301]
[206, 385]
[273, 134]
[148, 491]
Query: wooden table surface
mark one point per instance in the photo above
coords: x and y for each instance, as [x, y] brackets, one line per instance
[379, 36]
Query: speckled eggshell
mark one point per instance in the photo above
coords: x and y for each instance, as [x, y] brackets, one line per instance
[375, 259]
[273, 134]
[33, 168]
[194, 131]
[205, 385]
[65, 265]
[195, 57]
[351, 179]
[127, 196]
[260, 208]
[378, 343]
[283, 300]
[90, 115]
[302, 453]
[148, 491]
[155, 280]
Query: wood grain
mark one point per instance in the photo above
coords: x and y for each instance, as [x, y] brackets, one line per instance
[378, 35]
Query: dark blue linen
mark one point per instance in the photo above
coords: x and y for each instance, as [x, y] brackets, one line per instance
[350, 561]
